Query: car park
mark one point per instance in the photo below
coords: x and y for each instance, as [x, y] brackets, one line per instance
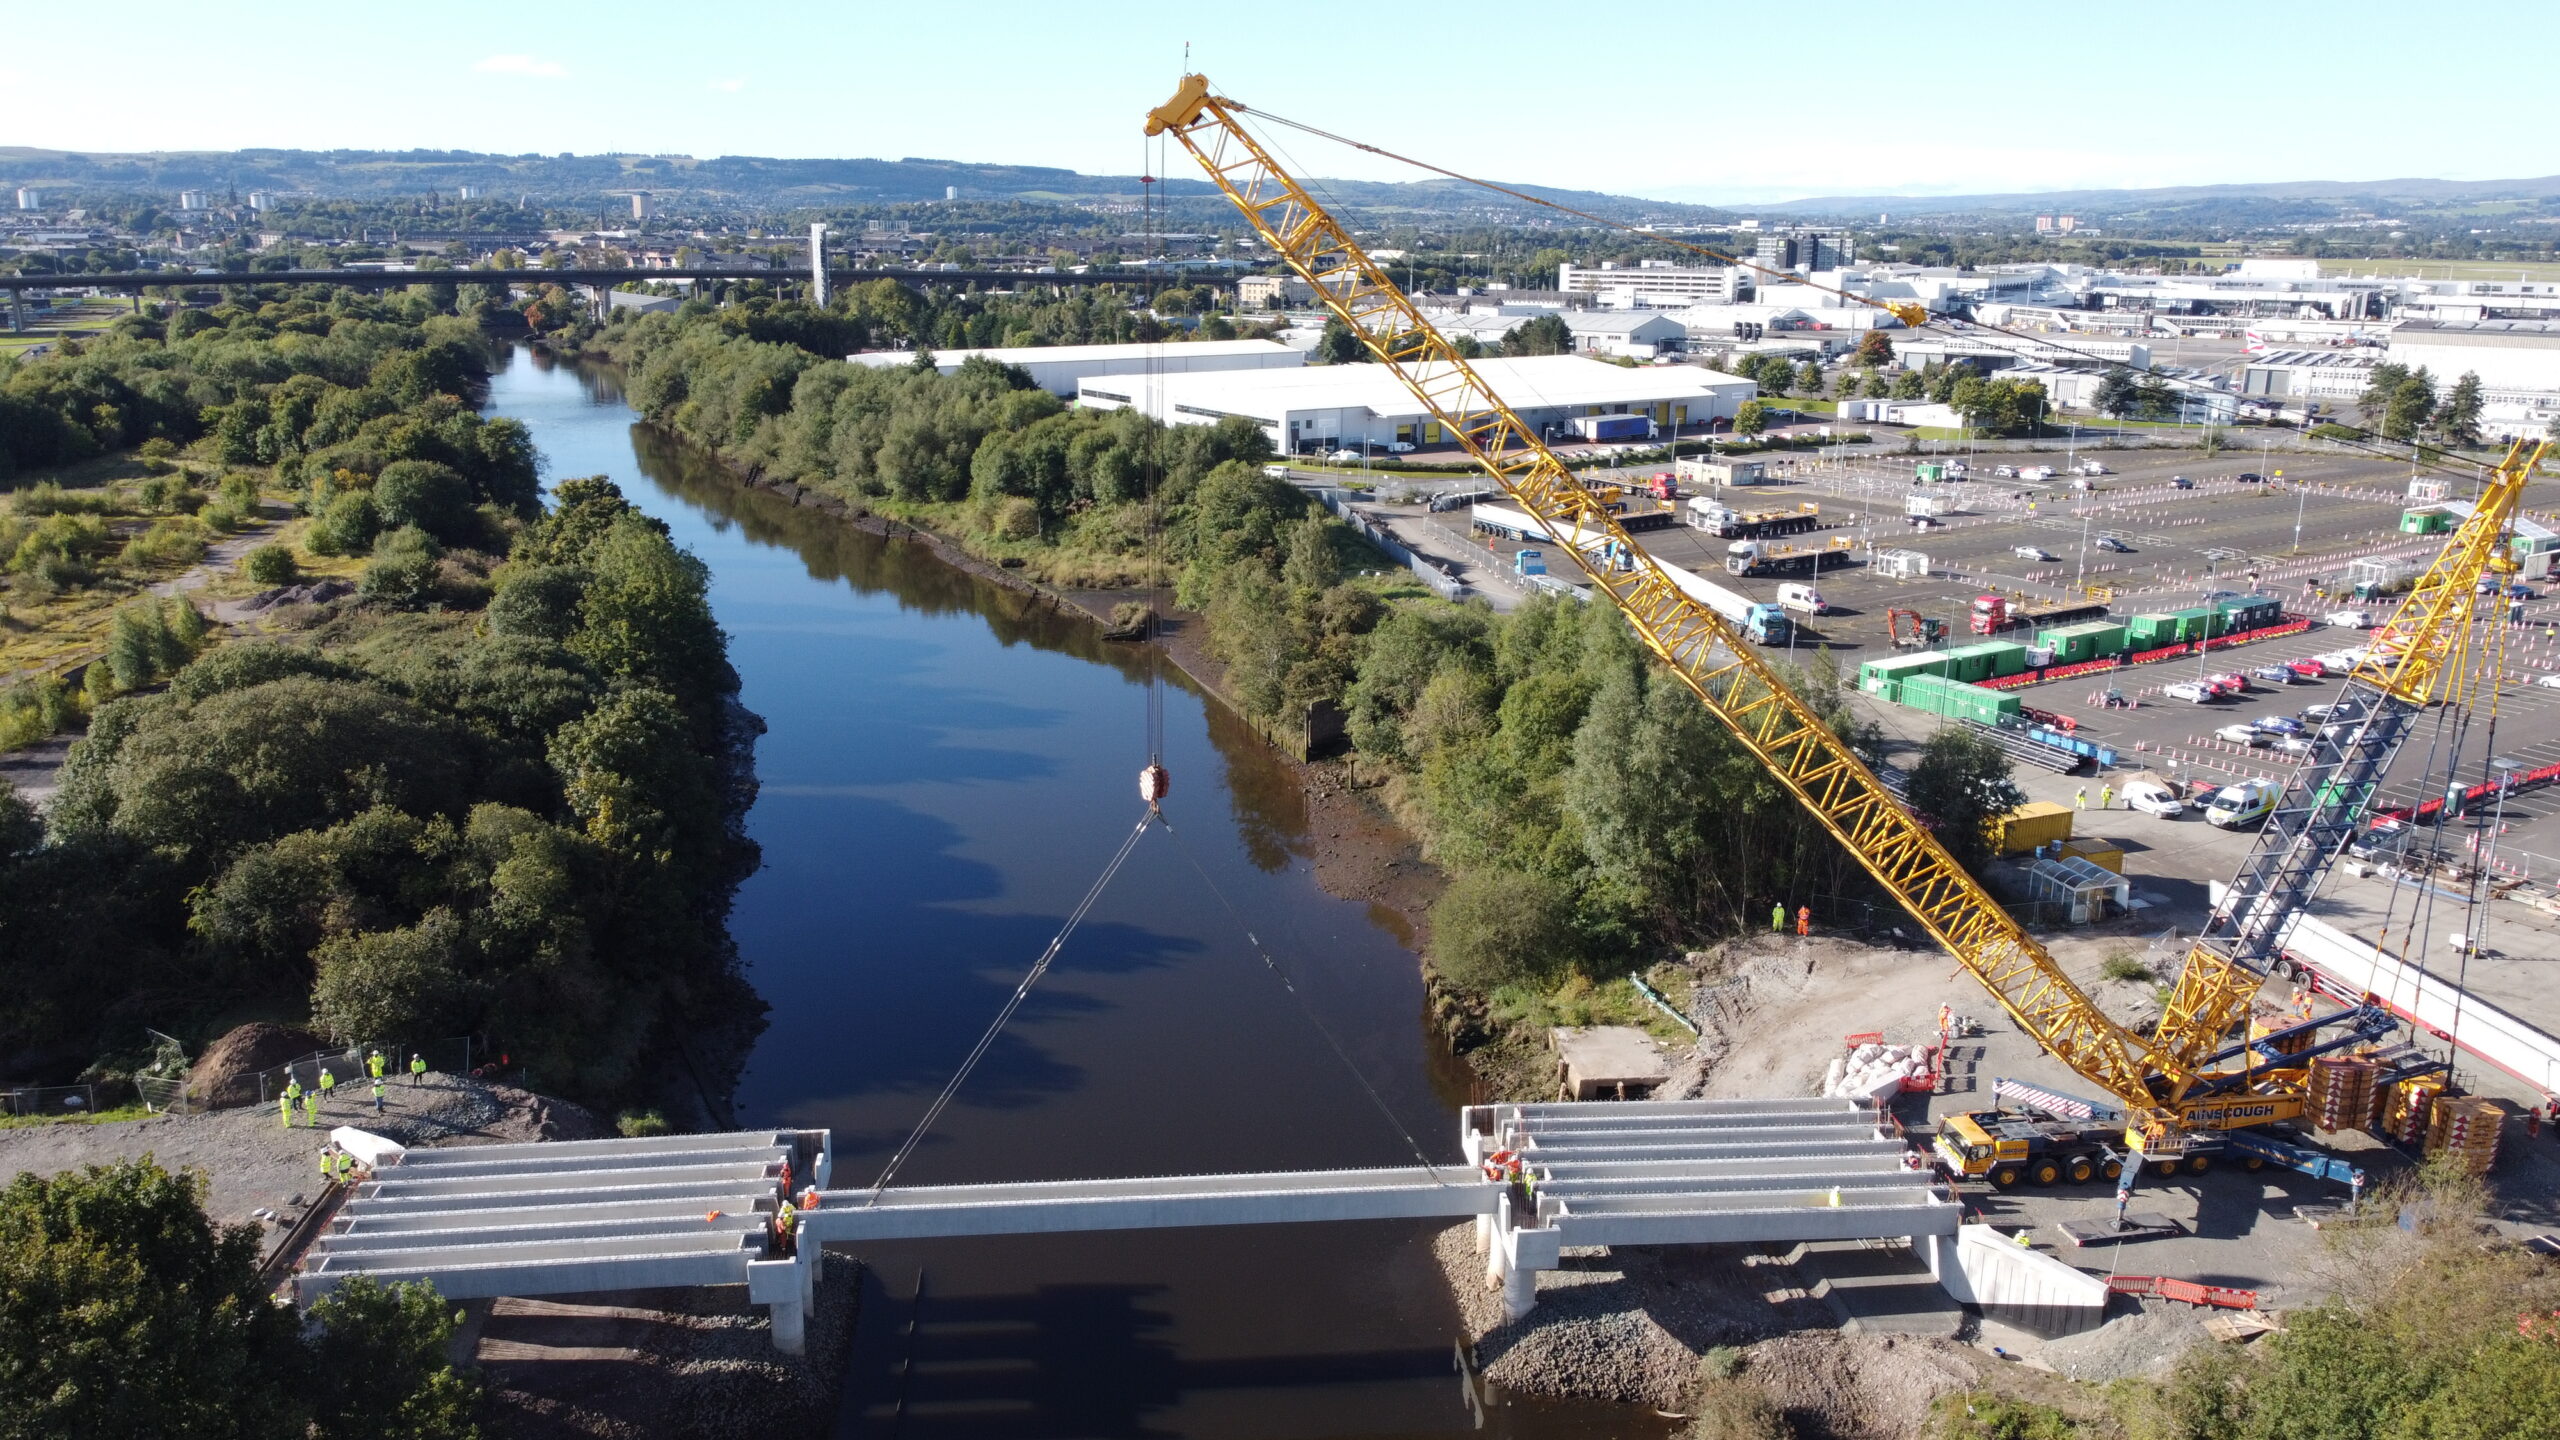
[2349, 619]
[2249, 735]
[2189, 691]
[2114, 546]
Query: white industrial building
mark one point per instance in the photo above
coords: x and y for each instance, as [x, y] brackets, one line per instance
[1057, 368]
[2505, 354]
[1327, 406]
[1656, 283]
[2015, 350]
[1633, 334]
[2309, 374]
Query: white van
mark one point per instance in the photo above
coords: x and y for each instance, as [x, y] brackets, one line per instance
[1792, 596]
[2246, 803]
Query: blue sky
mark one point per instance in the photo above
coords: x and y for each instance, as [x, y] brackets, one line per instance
[1707, 101]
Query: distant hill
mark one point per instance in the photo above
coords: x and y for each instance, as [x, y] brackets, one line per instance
[744, 180]
[2378, 196]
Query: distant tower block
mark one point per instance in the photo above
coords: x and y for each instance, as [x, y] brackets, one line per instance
[818, 264]
[643, 205]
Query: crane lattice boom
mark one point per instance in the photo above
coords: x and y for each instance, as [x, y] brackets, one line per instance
[1735, 684]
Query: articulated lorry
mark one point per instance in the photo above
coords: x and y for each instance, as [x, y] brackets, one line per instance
[1771, 557]
[1760, 622]
[1757, 522]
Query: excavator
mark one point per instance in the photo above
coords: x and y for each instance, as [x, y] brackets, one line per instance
[2183, 1090]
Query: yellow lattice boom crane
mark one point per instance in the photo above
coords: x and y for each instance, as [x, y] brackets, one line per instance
[2162, 1083]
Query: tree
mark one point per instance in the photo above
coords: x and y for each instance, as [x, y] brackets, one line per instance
[2412, 405]
[2458, 419]
[2153, 399]
[2116, 394]
[1877, 387]
[1492, 928]
[1959, 786]
[1809, 378]
[1875, 348]
[128, 1312]
[1774, 375]
[1545, 335]
[1909, 385]
[1751, 419]
[2380, 387]
[1339, 345]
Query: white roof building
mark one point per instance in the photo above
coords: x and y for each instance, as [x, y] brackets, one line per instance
[1329, 406]
[1636, 334]
[1057, 368]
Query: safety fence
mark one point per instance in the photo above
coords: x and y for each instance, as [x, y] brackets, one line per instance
[49, 1100]
[459, 1055]
[1428, 571]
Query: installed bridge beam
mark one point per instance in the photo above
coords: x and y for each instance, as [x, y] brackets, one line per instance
[1160, 1203]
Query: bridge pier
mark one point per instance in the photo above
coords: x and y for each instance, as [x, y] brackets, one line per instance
[788, 1289]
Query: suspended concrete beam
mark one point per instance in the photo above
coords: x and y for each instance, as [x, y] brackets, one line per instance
[1171, 1202]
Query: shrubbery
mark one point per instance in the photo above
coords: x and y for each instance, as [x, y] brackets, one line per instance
[417, 826]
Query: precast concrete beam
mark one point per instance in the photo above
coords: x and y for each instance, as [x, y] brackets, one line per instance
[1634, 1116]
[1878, 1155]
[359, 1236]
[520, 1162]
[1756, 1226]
[374, 1219]
[1821, 1180]
[394, 1184]
[1166, 1203]
[778, 1142]
[539, 1277]
[713, 1194]
[492, 1249]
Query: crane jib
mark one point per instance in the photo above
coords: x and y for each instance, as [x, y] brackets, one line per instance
[1735, 685]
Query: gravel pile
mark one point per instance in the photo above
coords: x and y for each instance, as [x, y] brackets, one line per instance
[701, 1367]
[2143, 1344]
[1858, 1387]
[1624, 1325]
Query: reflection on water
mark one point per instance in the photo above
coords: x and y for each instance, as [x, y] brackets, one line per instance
[947, 764]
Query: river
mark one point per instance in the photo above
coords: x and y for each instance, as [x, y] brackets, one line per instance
[948, 765]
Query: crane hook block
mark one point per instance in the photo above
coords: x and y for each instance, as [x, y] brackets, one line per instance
[1910, 313]
[1154, 784]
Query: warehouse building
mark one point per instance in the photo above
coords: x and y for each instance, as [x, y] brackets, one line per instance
[2309, 374]
[1057, 368]
[1366, 407]
[2505, 354]
[1633, 334]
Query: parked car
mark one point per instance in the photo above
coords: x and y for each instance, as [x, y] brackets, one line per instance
[2279, 724]
[2189, 691]
[2153, 799]
[2005, 472]
[2349, 619]
[2249, 735]
[1346, 457]
[2522, 591]
[2304, 672]
[2092, 467]
[2030, 552]
[2549, 682]
[2340, 662]
[2181, 482]
[1276, 472]
[2273, 674]
[2250, 477]
[1399, 447]
[2113, 545]
[2322, 714]
[2293, 745]
[2229, 683]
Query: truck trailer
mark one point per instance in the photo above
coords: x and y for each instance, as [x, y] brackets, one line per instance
[1757, 522]
[1771, 557]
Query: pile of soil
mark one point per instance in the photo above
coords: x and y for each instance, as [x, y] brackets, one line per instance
[227, 1073]
[649, 1363]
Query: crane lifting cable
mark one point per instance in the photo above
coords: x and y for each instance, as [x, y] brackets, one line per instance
[1021, 992]
[1911, 313]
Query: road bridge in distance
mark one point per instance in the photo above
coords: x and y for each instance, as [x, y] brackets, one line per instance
[123, 281]
[565, 1218]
